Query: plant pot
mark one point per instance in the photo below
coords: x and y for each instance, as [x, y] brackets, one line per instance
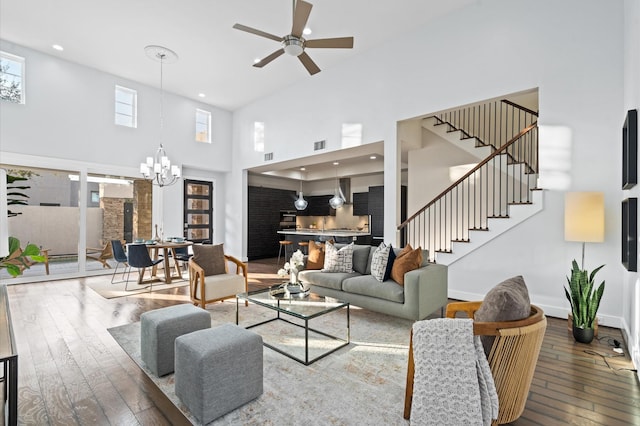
[583, 335]
[570, 325]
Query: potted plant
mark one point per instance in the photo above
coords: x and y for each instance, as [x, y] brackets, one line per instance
[18, 259]
[585, 300]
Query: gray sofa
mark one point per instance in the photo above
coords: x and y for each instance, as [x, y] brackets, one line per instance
[424, 291]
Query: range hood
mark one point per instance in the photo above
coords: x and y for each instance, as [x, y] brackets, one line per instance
[345, 188]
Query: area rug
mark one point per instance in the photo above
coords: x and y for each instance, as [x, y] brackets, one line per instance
[362, 383]
[102, 285]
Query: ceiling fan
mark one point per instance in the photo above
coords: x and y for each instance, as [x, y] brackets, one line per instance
[294, 44]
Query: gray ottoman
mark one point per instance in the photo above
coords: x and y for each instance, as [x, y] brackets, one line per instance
[159, 329]
[218, 370]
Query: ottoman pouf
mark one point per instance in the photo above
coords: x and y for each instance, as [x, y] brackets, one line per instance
[159, 329]
[218, 370]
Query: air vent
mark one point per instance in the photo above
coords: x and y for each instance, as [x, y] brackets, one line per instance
[317, 146]
[268, 156]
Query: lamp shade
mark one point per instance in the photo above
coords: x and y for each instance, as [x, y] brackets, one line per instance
[584, 217]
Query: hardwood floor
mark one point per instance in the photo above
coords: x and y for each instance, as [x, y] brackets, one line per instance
[71, 371]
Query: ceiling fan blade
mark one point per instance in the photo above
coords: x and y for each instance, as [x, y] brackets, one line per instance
[265, 61]
[257, 32]
[308, 63]
[338, 42]
[300, 17]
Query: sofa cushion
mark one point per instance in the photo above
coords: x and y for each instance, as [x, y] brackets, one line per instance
[367, 285]
[325, 279]
[338, 260]
[361, 258]
[210, 258]
[390, 262]
[379, 261]
[408, 260]
[315, 259]
[507, 301]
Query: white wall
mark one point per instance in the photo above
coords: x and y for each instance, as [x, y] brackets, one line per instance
[572, 51]
[69, 117]
[631, 280]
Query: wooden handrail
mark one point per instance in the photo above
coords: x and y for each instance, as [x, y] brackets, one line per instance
[469, 173]
[520, 107]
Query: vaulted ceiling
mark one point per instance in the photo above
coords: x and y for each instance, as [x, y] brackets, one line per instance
[214, 59]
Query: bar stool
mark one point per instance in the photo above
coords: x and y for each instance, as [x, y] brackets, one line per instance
[304, 246]
[284, 244]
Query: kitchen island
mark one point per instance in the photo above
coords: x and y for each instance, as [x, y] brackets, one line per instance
[337, 235]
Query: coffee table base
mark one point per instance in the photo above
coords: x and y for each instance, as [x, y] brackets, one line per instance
[307, 329]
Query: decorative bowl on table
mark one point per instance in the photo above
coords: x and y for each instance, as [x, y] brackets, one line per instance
[150, 242]
[178, 240]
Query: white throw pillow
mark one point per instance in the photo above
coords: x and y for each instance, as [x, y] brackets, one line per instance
[338, 260]
[379, 261]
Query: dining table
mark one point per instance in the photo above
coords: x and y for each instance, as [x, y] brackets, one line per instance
[166, 249]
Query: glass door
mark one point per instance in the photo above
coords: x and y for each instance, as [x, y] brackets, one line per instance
[198, 211]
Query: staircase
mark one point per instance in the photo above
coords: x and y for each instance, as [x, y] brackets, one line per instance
[496, 195]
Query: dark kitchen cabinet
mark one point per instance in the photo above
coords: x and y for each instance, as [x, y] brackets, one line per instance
[360, 203]
[319, 206]
[264, 205]
[376, 210]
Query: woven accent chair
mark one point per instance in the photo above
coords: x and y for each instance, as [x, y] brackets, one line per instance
[512, 359]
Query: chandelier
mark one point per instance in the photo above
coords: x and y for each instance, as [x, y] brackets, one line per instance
[158, 169]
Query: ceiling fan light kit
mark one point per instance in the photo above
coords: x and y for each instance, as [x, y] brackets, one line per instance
[294, 44]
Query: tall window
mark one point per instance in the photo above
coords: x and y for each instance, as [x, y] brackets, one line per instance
[126, 107]
[258, 136]
[11, 78]
[203, 126]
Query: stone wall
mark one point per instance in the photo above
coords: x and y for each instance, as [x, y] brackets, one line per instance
[142, 207]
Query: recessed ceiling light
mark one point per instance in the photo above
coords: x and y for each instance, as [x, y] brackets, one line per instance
[303, 168]
[58, 47]
[373, 157]
[256, 60]
[335, 163]
[202, 95]
[307, 31]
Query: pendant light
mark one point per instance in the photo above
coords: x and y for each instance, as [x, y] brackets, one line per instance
[300, 203]
[158, 169]
[338, 199]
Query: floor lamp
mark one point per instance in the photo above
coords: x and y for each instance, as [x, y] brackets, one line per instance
[584, 218]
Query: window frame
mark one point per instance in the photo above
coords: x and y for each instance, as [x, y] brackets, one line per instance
[134, 106]
[207, 114]
[6, 56]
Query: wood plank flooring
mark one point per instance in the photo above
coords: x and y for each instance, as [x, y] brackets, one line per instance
[71, 371]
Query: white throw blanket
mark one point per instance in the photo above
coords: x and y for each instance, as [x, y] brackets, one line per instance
[452, 384]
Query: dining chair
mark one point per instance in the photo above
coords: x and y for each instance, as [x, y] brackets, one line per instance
[120, 256]
[182, 255]
[138, 257]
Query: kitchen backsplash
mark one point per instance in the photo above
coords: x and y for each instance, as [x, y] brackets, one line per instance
[344, 218]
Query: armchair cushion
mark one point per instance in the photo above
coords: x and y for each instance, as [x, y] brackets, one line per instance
[221, 286]
[210, 258]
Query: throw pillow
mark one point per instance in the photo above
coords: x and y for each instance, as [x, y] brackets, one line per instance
[390, 262]
[507, 301]
[407, 260]
[210, 258]
[338, 260]
[379, 261]
[315, 259]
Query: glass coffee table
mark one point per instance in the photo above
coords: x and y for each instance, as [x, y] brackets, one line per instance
[298, 312]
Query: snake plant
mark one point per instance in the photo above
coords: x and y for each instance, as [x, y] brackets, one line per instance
[582, 295]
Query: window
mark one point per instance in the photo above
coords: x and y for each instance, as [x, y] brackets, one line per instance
[203, 126]
[126, 107]
[11, 78]
[351, 134]
[258, 136]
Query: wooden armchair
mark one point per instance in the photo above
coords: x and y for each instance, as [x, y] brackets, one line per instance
[101, 255]
[512, 359]
[205, 289]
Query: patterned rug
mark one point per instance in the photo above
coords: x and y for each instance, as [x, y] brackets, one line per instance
[362, 383]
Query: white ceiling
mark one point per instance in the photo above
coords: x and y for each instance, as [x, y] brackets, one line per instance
[215, 59]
